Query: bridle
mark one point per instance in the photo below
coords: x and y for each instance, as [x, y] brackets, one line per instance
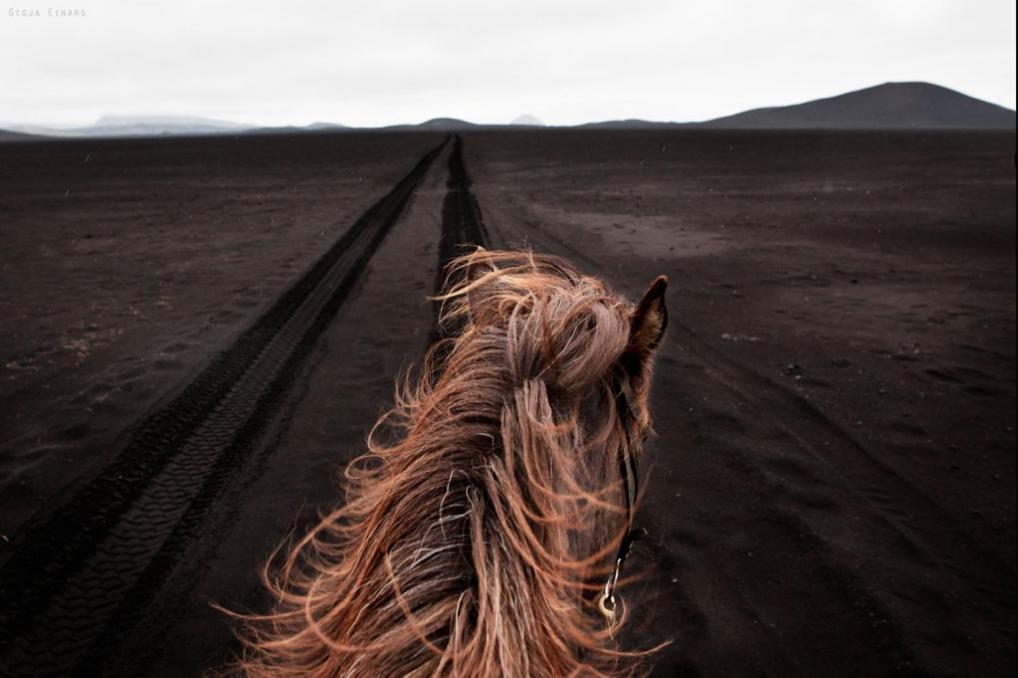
[630, 474]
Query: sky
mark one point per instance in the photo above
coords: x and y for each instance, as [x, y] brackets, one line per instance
[371, 63]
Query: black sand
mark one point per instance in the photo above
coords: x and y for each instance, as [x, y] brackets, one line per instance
[831, 490]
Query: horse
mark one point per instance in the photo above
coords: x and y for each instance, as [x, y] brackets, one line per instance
[484, 530]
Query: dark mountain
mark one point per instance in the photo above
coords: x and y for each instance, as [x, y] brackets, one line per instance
[7, 135]
[893, 105]
[314, 127]
[440, 125]
[446, 124]
[632, 123]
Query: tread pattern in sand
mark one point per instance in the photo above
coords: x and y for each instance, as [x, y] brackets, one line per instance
[75, 583]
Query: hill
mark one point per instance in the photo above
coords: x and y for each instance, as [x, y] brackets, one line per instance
[440, 125]
[892, 105]
[7, 135]
[631, 123]
[140, 126]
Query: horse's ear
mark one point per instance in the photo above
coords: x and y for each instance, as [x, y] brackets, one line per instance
[647, 326]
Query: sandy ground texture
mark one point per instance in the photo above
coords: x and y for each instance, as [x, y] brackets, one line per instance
[381, 332]
[127, 264]
[831, 489]
[833, 483]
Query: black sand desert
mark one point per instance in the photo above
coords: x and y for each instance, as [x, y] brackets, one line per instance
[831, 490]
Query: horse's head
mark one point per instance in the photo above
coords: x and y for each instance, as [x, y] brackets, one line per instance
[486, 535]
[575, 363]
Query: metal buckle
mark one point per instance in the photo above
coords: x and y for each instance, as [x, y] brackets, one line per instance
[606, 604]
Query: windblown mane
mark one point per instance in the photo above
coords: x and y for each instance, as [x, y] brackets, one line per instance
[474, 538]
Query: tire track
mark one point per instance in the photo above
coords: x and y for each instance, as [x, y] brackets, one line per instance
[462, 228]
[76, 582]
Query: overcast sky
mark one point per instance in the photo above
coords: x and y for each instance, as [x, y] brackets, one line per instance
[376, 62]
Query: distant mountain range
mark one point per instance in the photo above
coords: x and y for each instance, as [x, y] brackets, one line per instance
[142, 125]
[890, 106]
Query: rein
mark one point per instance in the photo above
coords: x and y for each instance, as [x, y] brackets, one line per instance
[630, 473]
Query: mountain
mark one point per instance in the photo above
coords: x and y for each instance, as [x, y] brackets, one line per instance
[150, 125]
[433, 125]
[167, 121]
[527, 120]
[140, 126]
[445, 124]
[632, 123]
[7, 135]
[296, 129]
[892, 105]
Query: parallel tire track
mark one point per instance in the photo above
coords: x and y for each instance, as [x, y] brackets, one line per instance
[462, 228]
[76, 582]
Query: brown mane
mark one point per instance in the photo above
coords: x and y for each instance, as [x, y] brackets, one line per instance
[475, 538]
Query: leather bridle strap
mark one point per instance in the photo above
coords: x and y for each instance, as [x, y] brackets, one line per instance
[630, 475]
